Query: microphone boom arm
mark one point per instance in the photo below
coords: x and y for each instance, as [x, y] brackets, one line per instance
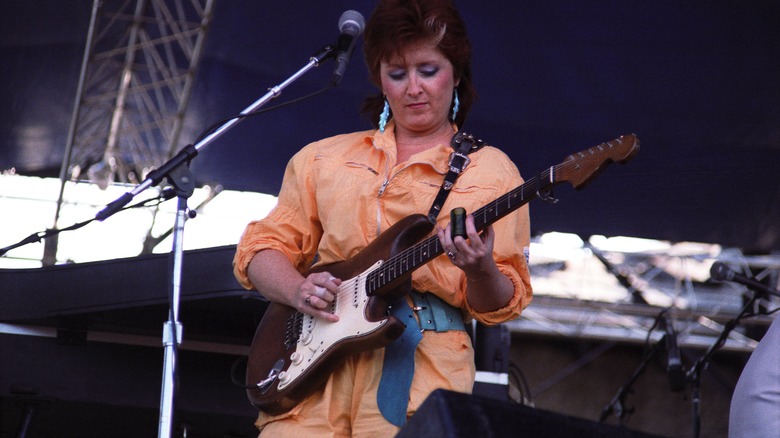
[191, 151]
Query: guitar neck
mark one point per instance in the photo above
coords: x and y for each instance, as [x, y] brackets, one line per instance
[421, 253]
[578, 169]
[514, 199]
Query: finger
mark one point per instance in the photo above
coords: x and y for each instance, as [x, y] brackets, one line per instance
[471, 229]
[324, 294]
[460, 243]
[317, 302]
[328, 281]
[446, 242]
[332, 283]
[320, 308]
[489, 236]
[308, 294]
[320, 294]
[444, 236]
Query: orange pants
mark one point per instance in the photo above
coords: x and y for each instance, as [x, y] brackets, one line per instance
[346, 406]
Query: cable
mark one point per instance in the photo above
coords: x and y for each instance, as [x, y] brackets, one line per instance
[213, 127]
[526, 398]
[165, 195]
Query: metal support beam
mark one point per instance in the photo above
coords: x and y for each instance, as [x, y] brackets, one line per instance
[137, 75]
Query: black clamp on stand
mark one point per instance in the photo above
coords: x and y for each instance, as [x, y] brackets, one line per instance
[617, 404]
[666, 343]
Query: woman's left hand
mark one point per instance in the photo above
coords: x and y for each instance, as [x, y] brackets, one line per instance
[475, 255]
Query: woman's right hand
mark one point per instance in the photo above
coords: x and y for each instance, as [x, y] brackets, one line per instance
[316, 295]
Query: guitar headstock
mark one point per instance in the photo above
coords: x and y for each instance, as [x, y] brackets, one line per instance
[580, 168]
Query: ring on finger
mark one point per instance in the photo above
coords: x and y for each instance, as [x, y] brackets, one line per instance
[308, 300]
[451, 255]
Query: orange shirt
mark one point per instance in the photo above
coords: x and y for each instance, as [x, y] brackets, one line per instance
[340, 193]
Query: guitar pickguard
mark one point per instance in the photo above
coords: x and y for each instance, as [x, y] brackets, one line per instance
[318, 338]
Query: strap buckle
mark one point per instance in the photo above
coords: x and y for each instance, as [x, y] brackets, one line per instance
[458, 163]
[463, 144]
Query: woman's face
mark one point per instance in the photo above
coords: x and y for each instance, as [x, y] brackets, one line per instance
[419, 87]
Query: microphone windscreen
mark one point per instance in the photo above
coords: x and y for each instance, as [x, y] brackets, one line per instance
[720, 272]
[352, 22]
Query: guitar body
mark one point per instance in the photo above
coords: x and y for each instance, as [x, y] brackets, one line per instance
[293, 354]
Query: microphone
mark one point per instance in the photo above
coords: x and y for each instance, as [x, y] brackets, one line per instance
[351, 25]
[720, 272]
[674, 368]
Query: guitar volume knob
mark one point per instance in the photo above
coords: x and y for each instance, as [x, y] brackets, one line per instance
[284, 377]
[296, 358]
[306, 338]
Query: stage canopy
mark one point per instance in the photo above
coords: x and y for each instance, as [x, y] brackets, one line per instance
[696, 81]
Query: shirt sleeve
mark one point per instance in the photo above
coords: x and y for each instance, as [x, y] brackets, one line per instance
[292, 227]
[511, 246]
[516, 269]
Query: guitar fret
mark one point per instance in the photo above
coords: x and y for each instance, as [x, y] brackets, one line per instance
[522, 191]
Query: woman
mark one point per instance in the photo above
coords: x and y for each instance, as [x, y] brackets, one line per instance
[340, 193]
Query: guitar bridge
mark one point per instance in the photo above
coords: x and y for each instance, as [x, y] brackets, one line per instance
[293, 330]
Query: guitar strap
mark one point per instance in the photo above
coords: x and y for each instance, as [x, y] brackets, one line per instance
[398, 364]
[392, 396]
[463, 144]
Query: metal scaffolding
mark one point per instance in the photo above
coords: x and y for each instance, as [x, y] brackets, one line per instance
[580, 298]
[138, 72]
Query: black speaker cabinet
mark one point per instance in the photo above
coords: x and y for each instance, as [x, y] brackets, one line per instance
[452, 415]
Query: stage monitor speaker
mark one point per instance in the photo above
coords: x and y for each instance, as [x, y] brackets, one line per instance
[454, 415]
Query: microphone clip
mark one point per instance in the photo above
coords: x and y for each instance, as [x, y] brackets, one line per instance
[327, 51]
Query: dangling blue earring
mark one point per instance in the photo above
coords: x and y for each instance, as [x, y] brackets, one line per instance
[455, 105]
[384, 116]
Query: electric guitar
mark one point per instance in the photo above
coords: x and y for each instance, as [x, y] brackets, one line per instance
[292, 354]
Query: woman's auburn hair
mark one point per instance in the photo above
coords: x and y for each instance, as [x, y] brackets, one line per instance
[398, 24]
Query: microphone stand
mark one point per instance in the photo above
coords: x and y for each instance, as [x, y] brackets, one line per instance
[694, 374]
[617, 404]
[181, 178]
